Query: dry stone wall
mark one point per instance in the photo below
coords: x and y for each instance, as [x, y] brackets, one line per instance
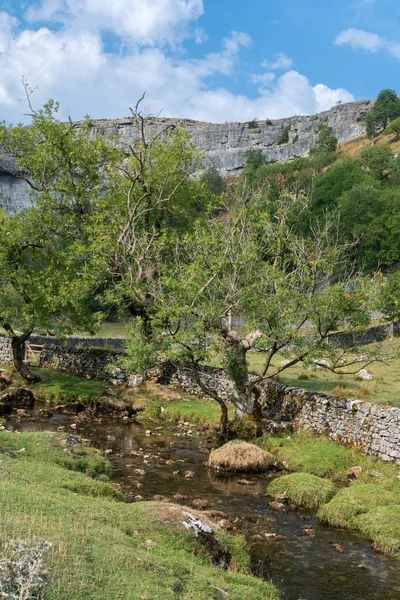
[5, 350]
[90, 363]
[373, 428]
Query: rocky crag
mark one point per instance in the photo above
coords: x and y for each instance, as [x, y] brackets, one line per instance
[224, 145]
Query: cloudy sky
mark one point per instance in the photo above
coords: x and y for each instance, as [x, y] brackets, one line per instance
[213, 60]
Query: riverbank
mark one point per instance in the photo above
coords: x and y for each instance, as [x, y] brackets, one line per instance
[371, 502]
[102, 548]
[157, 461]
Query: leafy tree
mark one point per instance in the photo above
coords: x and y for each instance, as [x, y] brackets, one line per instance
[326, 142]
[385, 110]
[389, 297]
[152, 202]
[377, 161]
[42, 282]
[256, 267]
[213, 181]
[46, 265]
[370, 218]
[255, 158]
[328, 188]
[394, 127]
[283, 137]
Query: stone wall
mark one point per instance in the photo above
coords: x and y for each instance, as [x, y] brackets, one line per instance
[90, 363]
[5, 350]
[371, 335]
[373, 428]
[78, 342]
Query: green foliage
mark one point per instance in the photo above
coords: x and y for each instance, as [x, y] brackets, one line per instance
[340, 178]
[213, 181]
[268, 122]
[355, 500]
[326, 144]
[303, 489]
[389, 297]
[283, 137]
[377, 161]
[252, 124]
[394, 127]
[254, 159]
[385, 110]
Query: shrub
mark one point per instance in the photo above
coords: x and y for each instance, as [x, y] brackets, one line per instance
[252, 124]
[239, 457]
[303, 489]
[283, 136]
[25, 576]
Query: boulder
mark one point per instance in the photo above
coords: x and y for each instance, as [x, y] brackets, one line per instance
[15, 398]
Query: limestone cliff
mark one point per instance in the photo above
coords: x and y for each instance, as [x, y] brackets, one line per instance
[224, 146]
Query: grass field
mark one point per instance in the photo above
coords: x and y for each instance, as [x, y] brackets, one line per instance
[383, 389]
[102, 548]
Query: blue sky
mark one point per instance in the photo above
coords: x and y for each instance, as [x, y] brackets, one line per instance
[214, 60]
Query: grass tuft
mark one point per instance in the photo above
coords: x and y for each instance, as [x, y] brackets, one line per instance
[239, 457]
[353, 501]
[303, 489]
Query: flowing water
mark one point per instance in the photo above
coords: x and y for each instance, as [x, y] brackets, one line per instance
[303, 565]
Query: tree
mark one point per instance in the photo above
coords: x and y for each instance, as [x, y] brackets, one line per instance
[42, 283]
[46, 264]
[325, 147]
[256, 267]
[330, 186]
[255, 158]
[394, 127]
[385, 110]
[213, 181]
[377, 161]
[152, 201]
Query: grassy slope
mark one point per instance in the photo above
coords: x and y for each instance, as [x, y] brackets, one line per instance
[370, 505]
[353, 148]
[102, 548]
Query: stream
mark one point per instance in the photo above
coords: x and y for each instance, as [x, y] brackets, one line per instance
[303, 561]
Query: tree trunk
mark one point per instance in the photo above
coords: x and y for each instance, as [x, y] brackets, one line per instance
[18, 352]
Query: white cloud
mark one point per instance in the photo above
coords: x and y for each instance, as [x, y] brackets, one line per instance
[71, 64]
[364, 40]
[281, 62]
[357, 38]
[149, 22]
[263, 78]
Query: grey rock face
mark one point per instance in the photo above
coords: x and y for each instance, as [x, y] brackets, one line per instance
[224, 146]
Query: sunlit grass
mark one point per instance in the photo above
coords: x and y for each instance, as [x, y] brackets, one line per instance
[102, 548]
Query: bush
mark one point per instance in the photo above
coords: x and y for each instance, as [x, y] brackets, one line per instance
[303, 489]
[252, 124]
[239, 457]
[283, 136]
[25, 576]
